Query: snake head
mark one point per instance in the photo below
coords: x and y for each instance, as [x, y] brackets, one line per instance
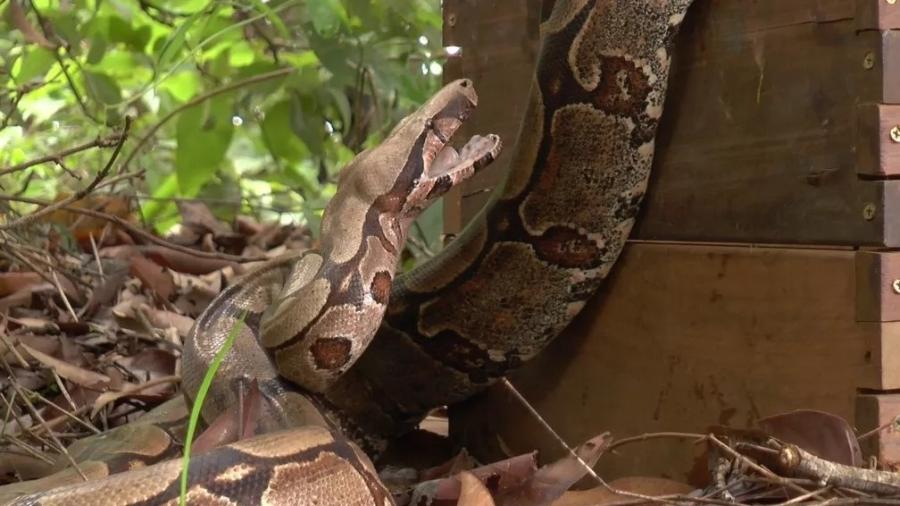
[434, 165]
[384, 188]
[414, 165]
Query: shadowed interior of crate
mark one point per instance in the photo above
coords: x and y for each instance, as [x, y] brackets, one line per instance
[774, 133]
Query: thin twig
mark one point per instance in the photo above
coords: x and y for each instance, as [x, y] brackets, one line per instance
[141, 233]
[80, 194]
[62, 64]
[887, 425]
[39, 418]
[97, 257]
[62, 294]
[71, 415]
[697, 438]
[100, 142]
[534, 412]
[780, 480]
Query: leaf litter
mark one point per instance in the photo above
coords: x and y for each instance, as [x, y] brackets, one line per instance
[91, 334]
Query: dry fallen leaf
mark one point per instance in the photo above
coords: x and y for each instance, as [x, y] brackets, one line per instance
[822, 434]
[68, 371]
[503, 476]
[12, 282]
[472, 491]
[130, 390]
[153, 276]
[551, 481]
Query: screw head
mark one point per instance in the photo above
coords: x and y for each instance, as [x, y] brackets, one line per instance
[895, 133]
[869, 61]
[869, 211]
[896, 286]
[891, 2]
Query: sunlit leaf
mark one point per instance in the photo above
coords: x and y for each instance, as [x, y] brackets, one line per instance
[36, 62]
[176, 40]
[101, 87]
[182, 86]
[203, 134]
[278, 135]
[327, 16]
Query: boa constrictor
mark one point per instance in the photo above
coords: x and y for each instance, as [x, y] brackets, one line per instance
[490, 301]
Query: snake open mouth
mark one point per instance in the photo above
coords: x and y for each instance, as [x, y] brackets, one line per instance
[478, 152]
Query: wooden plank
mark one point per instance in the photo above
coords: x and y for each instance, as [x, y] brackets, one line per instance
[877, 286]
[875, 410]
[758, 142]
[883, 355]
[498, 52]
[877, 15]
[878, 140]
[881, 60]
[687, 336]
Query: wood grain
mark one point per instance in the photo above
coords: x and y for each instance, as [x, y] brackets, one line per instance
[877, 15]
[498, 53]
[878, 286]
[759, 139]
[874, 410]
[878, 140]
[684, 337]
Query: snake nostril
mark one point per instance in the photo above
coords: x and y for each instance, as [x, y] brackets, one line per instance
[465, 83]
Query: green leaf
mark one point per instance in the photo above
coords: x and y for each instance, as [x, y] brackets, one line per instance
[97, 50]
[272, 16]
[66, 27]
[203, 134]
[307, 123]
[278, 136]
[241, 54]
[182, 86]
[102, 88]
[176, 40]
[36, 62]
[160, 211]
[201, 397]
[335, 57]
[327, 16]
[120, 31]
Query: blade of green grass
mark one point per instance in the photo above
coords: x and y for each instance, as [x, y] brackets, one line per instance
[198, 403]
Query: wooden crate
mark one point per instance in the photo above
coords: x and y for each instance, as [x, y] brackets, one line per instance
[760, 277]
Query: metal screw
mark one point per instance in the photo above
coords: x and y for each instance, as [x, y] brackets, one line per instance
[892, 2]
[896, 286]
[869, 61]
[451, 19]
[869, 211]
[895, 133]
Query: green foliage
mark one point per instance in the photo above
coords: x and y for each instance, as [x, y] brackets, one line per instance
[72, 70]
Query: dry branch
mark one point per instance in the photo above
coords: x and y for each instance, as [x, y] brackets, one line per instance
[839, 475]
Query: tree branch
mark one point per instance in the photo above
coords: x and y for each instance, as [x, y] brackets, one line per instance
[99, 142]
[80, 194]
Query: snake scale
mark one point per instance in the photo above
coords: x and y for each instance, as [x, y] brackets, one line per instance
[340, 348]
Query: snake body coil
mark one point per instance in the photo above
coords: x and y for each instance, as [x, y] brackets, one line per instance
[492, 300]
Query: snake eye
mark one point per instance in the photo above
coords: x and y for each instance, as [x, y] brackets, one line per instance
[429, 123]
